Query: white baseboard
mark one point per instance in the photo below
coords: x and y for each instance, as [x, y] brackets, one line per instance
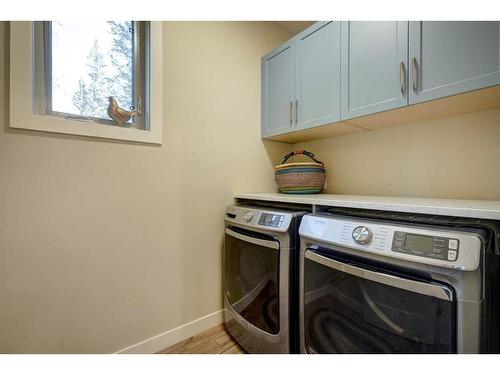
[166, 339]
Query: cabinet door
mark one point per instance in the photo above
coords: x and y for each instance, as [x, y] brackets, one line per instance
[448, 58]
[278, 76]
[317, 87]
[374, 67]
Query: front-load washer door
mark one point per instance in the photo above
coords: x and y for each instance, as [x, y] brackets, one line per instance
[251, 278]
[352, 308]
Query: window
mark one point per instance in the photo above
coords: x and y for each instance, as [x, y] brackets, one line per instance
[76, 79]
[65, 75]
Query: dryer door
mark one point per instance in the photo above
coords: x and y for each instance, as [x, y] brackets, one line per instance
[354, 309]
[251, 277]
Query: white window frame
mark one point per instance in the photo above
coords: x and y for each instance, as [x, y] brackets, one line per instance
[22, 99]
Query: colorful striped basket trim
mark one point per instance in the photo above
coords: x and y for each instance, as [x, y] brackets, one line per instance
[299, 164]
[300, 177]
[299, 191]
[301, 170]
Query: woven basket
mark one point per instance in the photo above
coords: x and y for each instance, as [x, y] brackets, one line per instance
[301, 177]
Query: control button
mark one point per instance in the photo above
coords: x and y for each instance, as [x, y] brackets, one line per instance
[361, 235]
[248, 216]
[453, 244]
[399, 235]
[452, 255]
[439, 241]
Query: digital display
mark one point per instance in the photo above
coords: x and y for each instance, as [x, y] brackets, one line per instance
[271, 220]
[442, 248]
[419, 242]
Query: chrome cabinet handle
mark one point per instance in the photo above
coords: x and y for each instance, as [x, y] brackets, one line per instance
[414, 74]
[296, 112]
[402, 77]
[290, 113]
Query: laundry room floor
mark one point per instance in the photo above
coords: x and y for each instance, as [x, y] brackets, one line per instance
[216, 340]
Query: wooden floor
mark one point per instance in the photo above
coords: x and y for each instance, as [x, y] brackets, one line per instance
[215, 340]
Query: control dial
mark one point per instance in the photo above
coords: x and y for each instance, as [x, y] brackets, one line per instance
[361, 235]
[248, 216]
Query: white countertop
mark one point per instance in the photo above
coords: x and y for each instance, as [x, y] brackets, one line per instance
[480, 209]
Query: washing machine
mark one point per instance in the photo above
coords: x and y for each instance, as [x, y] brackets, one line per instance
[378, 282]
[261, 277]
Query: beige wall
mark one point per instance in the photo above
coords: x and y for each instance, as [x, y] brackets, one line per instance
[455, 157]
[103, 243]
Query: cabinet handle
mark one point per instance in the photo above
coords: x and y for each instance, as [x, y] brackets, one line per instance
[290, 113]
[402, 77]
[296, 112]
[414, 74]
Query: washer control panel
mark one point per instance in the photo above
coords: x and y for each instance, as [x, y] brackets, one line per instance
[444, 248]
[438, 246]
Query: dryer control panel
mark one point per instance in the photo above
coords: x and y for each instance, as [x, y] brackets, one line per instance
[429, 245]
[275, 220]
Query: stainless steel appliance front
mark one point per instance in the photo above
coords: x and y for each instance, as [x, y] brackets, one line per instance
[260, 264]
[392, 293]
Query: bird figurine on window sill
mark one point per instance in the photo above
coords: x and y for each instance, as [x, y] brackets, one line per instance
[120, 115]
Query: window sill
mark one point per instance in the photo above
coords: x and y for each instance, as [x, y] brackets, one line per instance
[56, 124]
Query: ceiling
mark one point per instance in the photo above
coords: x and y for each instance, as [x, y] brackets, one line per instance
[294, 27]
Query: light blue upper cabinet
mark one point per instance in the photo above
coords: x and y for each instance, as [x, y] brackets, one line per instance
[301, 81]
[278, 95]
[317, 84]
[448, 58]
[374, 67]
